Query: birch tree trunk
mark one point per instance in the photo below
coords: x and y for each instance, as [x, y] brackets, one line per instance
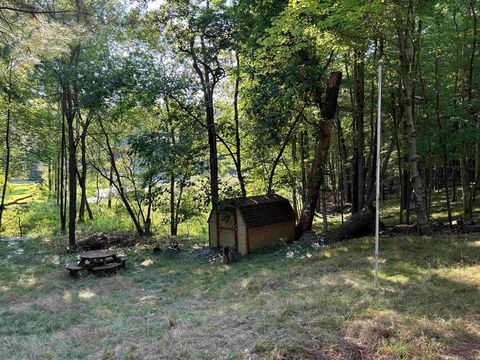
[403, 32]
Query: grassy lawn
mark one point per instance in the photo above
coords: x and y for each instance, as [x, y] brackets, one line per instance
[296, 301]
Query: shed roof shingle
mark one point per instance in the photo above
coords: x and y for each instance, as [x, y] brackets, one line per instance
[263, 210]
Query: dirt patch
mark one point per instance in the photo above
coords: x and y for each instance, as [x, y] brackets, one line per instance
[322, 354]
[307, 352]
[52, 303]
[165, 244]
[465, 351]
[63, 300]
[220, 334]
[362, 338]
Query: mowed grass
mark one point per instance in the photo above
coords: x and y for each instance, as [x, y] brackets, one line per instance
[296, 301]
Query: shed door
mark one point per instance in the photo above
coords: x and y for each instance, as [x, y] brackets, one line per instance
[228, 229]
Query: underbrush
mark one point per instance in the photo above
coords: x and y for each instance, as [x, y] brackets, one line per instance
[40, 216]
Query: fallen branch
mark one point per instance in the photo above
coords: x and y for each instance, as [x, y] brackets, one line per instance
[16, 202]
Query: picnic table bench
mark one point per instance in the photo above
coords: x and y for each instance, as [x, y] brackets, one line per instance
[98, 261]
[74, 270]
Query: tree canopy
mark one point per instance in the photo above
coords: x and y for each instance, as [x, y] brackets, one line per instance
[176, 105]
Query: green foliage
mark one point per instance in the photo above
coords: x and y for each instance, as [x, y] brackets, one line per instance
[145, 70]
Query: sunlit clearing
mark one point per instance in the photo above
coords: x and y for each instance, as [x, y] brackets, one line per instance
[351, 282]
[401, 279]
[67, 296]
[380, 261]
[148, 298]
[147, 262]
[27, 280]
[86, 294]
[55, 259]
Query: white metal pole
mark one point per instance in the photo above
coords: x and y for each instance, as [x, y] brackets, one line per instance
[377, 195]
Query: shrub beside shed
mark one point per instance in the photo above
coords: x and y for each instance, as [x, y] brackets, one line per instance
[251, 223]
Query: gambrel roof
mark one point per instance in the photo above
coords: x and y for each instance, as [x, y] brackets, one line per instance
[261, 210]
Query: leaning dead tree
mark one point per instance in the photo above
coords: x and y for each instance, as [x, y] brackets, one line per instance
[328, 107]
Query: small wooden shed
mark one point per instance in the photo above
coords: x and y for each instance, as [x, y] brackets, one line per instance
[251, 223]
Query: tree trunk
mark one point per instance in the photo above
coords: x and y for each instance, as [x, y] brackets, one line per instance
[173, 214]
[49, 178]
[7, 147]
[110, 189]
[328, 109]
[472, 110]
[405, 64]
[82, 179]
[63, 183]
[148, 219]
[341, 165]
[303, 157]
[293, 177]
[65, 187]
[454, 185]
[442, 137]
[238, 162]
[57, 181]
[466, 188]
[333, 178]
[360, 224]
[323, 201]
[97, 189]
[173, 227]
[359, 137]
[212, 143]
[400, 176]
[72, 175]
[84, 194]
[119, 186]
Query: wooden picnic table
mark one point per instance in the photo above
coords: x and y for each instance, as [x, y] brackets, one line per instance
[98, 255]
[96, 258]
[99, 261]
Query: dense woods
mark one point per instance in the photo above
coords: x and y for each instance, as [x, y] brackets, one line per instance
[179, 179]
[161, 109]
